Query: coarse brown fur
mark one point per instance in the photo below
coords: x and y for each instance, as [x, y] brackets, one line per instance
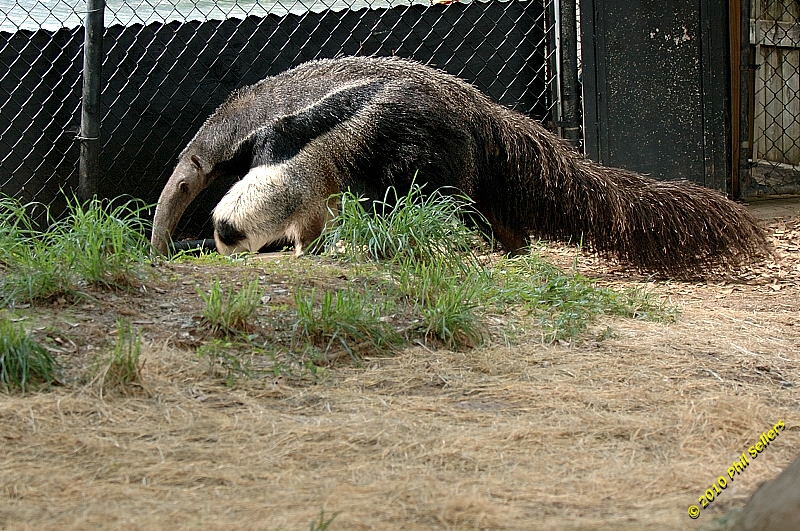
[376, 122]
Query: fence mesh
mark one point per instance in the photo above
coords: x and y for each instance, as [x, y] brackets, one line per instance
[775, 35]
[169, 63]
[40, 80]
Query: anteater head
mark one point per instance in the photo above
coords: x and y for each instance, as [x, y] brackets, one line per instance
[191, 176]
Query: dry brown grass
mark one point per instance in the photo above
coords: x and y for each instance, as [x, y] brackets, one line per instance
[619, 432]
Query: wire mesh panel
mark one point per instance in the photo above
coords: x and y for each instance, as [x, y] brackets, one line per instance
[169, 63]
[40, 80]
[775, 33]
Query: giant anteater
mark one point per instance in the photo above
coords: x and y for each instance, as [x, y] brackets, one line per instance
[297, 138]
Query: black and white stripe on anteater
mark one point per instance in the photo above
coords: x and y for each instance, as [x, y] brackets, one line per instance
[290, 175]
[369, 123]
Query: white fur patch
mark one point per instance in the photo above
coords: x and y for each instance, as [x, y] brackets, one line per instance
[256, 206]
[245, 205]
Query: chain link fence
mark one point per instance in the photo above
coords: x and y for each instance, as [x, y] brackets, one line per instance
[167, 64]
[775, 127]
[40, 56]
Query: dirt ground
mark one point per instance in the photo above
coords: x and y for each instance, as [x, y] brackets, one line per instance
[623, 428]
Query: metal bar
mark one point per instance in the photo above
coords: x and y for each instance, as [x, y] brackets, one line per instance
[593, 88]
[570, 94]
[554, 116]
[89, 136]
[734, 17]
[716, 95]
[745, 99]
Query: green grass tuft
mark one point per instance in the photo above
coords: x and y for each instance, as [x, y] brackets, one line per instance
[429, 251]
[23, 362]
[565, 303]
[447, 301]
[96, 244]
[30, 268]
[415, 227]
[122, 367]
[230, 311]
[101, 243]
[15, 229]
[348, 319]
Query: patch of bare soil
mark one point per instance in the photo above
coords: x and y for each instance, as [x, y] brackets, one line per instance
[624, 428]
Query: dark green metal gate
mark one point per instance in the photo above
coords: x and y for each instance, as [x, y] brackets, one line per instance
[656, 88]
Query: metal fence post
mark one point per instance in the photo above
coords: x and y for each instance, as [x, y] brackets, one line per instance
[746, 81]
[570, 89]
[89, 136]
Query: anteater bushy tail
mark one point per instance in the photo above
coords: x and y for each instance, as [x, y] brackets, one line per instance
[675, 228]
